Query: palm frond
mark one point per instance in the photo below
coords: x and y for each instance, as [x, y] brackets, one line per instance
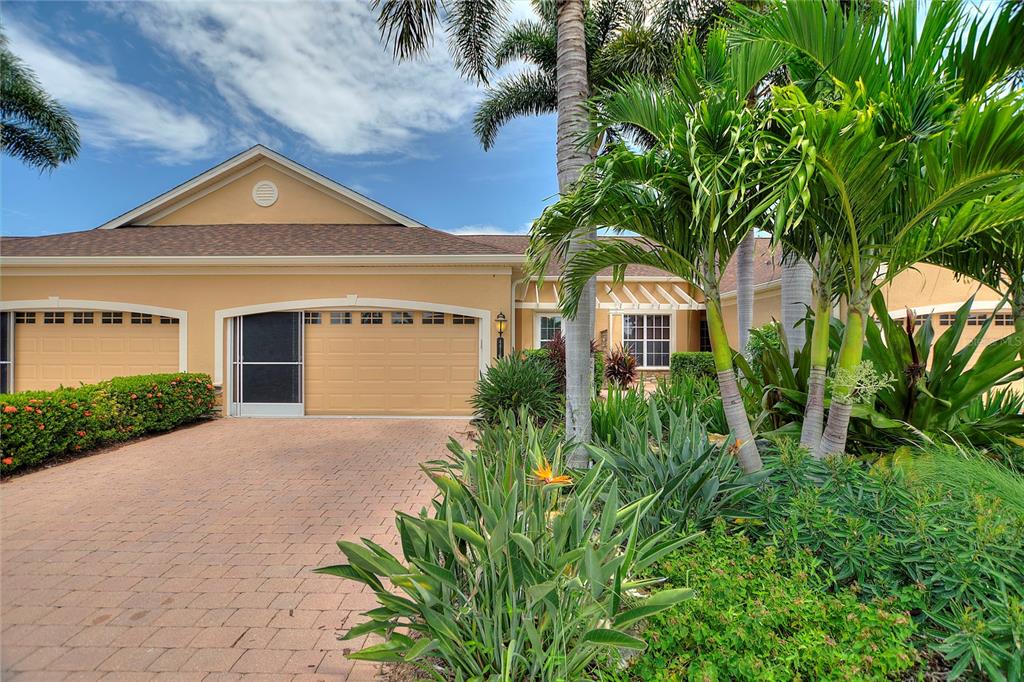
[407, 26]
[529, 41]
[528, 93]
[474, 28]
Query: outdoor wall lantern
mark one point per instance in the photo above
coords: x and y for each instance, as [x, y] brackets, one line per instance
[499, 323]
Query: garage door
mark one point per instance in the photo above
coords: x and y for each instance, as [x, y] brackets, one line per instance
[389, 362]
[67, 348]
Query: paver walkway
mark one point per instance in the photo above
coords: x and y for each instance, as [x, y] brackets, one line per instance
[187, 556]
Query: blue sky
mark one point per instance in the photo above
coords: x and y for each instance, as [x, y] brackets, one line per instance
[163, 91]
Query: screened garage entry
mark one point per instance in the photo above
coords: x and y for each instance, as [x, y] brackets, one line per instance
[394, 362]
[55, 348]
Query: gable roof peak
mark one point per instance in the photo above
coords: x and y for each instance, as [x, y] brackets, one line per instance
[253, 155]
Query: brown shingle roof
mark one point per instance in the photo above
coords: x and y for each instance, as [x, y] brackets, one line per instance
[249, 240]
[516, 243]
[766, 268]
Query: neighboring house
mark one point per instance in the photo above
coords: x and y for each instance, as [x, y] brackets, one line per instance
[930, 292]
[299, 296]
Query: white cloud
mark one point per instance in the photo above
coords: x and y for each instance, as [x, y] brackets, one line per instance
[109, 112]
[485, 228]
[317, 69]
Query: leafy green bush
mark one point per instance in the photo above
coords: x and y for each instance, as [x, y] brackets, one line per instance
[516, 383]
[758, 615]
[42, 424]
[767, 336]
[691, 363]
[554, 354]
[619, 406]
[934, 396]
[516, 573]
[666, 456]
[926, 521]
[698, 394]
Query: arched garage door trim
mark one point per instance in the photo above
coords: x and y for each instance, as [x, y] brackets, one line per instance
[351, 301]
[56, 303]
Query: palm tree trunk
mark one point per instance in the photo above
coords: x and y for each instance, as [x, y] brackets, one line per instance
[796, 298]
[573, 88]
[735, 413]
[833, 441]
[814, 411]
[745, 289]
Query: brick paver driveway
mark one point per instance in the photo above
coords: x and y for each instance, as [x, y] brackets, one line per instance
[187, 556]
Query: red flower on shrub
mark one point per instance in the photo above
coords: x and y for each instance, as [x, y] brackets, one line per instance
[81, 434]
[134, 396]
[7, 460]
[10, 408]
[28, 408]
[149, 395]
[74, 406]
[88, 413]
[42, 426]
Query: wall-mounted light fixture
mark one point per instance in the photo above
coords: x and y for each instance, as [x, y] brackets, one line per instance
[499, 323]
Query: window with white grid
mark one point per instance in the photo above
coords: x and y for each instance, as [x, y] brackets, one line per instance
[647, 338]
[371, 318]
[401, 317]
[549, 326]
[433, 318]
[341, 317]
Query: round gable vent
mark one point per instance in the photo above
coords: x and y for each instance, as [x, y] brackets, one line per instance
[264, 193]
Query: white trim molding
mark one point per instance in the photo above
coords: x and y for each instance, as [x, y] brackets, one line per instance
[943, 308]
[351, 301]
[248, 157]
[57, 303]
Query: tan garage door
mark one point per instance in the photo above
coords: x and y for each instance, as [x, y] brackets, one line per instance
[389, 362]
[67, 348]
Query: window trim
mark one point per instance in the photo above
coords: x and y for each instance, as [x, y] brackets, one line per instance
[672, 321]
[537, 325]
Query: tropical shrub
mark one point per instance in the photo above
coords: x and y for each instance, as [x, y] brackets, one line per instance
[929, 394]
[759, 615]
[696, 393]
[514, 384]
[618, 407]
[767, 336]
[516, 572]
[691, 363]
[41, 424]
[620, 368]
[554, 354]
[667, 457]
[952, 530]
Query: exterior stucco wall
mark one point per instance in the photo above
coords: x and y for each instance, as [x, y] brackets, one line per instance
[203, 292]
[767, 307]
[297, 202]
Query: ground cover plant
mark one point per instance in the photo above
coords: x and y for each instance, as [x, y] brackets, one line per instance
[691, 363]
[37, 425]
[949, 528]
[760, 615]
[519, 570]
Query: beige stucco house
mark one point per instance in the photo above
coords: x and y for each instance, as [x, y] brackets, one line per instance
[300, 296]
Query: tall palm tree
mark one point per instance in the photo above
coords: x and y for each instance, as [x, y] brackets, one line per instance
[34, 127]
[473, 28]
[918, 86]
[689, 195]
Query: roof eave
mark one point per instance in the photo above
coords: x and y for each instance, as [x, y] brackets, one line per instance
[426, 259]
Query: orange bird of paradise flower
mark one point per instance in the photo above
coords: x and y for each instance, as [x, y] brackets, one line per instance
[545, 476]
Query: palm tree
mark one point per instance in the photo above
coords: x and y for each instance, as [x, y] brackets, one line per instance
[473, 28]
[689, 195]
[34, 127]
[910, 95]
[996, 259]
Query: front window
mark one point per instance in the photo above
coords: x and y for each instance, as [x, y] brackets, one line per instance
[549, 326]
[647, 338]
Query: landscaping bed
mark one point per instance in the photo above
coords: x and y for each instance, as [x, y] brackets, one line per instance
[42, 427]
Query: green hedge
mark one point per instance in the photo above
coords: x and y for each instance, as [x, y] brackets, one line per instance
[692, 364]
[42, 424]
[599, 363]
